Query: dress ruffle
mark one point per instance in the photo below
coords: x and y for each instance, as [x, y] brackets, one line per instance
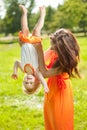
[29, 39]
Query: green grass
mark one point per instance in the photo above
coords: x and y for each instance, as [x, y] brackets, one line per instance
[80, 88]
[22, 112]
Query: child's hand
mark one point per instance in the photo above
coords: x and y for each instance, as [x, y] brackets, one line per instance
[14, 76]
[46, 89]
[20, 42]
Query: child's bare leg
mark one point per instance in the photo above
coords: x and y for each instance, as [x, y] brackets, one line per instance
[24, 23]
[40, 23]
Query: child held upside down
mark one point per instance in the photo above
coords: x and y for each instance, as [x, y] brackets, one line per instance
[29, 57]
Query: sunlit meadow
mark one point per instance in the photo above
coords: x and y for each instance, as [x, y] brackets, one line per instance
[19, 111]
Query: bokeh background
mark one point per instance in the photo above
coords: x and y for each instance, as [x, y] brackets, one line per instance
[19, 111]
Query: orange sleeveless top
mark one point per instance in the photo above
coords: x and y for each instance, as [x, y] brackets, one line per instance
[59, 80]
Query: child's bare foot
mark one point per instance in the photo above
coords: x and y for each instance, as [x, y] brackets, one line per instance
[22, 7]
[42, 11]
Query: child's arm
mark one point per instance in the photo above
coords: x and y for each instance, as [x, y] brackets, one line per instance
[41, 78]
[17, 65]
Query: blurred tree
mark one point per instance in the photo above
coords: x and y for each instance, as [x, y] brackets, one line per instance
[83, 20]
[49, 19]
[1, 25]
[80, 12]
[72, 15]
[13, 14]
[67, 15]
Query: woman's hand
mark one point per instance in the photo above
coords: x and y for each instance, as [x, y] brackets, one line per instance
[20, 42]
[38, 46]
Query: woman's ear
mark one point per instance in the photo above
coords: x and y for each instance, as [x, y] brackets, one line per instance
[53, 40]
[51, 37]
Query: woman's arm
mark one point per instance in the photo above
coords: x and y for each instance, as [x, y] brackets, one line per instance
[46, 73]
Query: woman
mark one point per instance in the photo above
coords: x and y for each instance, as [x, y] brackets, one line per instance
[62, 59]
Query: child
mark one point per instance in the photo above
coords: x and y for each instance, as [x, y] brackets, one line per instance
[29, 57]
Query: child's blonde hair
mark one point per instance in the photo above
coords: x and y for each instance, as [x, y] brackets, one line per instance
[31, 90]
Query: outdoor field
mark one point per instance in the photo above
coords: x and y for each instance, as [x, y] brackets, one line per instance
[19, 111]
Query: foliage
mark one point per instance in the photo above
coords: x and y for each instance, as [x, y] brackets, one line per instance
[12, 18]
[1, 25]
[13, 15]
[49, 19]
[83, 20]
[71, 15]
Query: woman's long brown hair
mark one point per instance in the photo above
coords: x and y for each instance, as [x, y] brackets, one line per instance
[68, 49]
